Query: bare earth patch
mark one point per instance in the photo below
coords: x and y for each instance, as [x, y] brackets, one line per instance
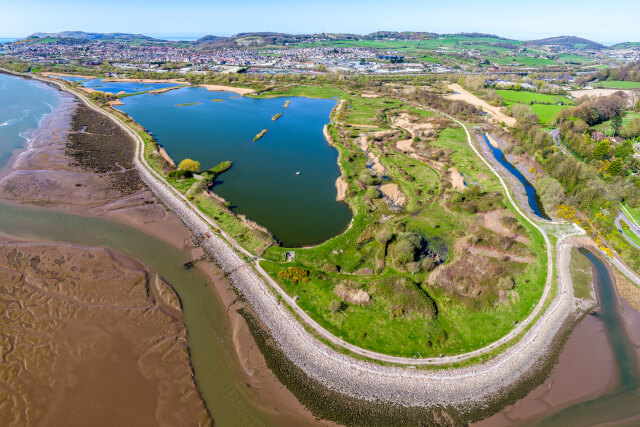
[341, 187]
[392, 191]
[463, 95]
[457, 180]
[493, 220]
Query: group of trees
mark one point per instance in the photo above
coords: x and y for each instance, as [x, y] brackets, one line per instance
[630, 73]
[594, 180]
[595, 111]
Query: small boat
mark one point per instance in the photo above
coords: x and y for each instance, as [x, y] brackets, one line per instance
[298, 173]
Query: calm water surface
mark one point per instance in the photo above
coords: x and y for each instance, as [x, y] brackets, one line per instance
[22, 106]
[624, 402]
[300, 209]
[116, 87]
[532, 196]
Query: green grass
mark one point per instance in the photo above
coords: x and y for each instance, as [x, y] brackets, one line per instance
[188, 104]
[580, 269]
[230, 223]
[181, 184]
[526, 97]
[606, 126]
[320, 91]
[615, 84]
[544, 105]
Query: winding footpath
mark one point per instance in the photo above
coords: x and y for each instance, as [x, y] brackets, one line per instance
[406, 385]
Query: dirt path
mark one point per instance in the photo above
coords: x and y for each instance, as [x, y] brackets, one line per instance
[464, 95]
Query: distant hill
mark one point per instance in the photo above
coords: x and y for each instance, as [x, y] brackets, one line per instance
[570, 42]
[81, 35]
[211, 39]
[626, 45]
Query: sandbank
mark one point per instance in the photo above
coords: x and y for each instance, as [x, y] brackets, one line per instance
[463, 95]
[341, 186]
[219, 88]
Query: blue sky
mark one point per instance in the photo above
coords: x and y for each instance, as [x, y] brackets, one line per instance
[542, 18]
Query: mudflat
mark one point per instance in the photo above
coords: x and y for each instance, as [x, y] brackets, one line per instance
[87, 344]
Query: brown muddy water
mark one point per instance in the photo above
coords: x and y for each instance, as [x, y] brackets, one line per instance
[596, 380]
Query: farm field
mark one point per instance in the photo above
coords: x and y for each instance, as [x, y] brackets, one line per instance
[545, 106]
[614, 84]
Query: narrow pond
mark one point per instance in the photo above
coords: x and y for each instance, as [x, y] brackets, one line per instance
[532, 196]
[285, 181]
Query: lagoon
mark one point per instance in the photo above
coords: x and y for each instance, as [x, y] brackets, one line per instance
[115, 87]
[299, 209]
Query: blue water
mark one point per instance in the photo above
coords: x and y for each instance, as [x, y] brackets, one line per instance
[23, 104]
[262, 184]
[532, 196]
[115, 87]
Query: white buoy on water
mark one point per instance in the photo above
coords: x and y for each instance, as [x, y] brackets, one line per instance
[298, 173]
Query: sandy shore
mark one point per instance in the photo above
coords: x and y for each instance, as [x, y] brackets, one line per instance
[166, 156]
[48, 74]
[87, 342]
[174, 81]
[464, 95]
[585, 370]
[218, 88]
[494, 143]
[457, 180]
[165, 89]
[341, 187]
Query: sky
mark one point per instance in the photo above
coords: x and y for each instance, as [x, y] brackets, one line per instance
[513, 19]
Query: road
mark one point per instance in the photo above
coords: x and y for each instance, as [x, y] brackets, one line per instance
[555, 134]
[625, 216]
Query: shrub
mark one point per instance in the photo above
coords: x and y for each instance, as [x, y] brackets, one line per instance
[408, 246]
[373, 193]
[428, 264]
[330, 268]
[294, 275]
[384, 235]
[189, 165]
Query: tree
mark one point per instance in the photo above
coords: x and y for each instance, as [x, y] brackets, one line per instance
[189, 165]
[624, 150]
[602, 150]
[615, 168]
[616, 124]
[633, 128]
